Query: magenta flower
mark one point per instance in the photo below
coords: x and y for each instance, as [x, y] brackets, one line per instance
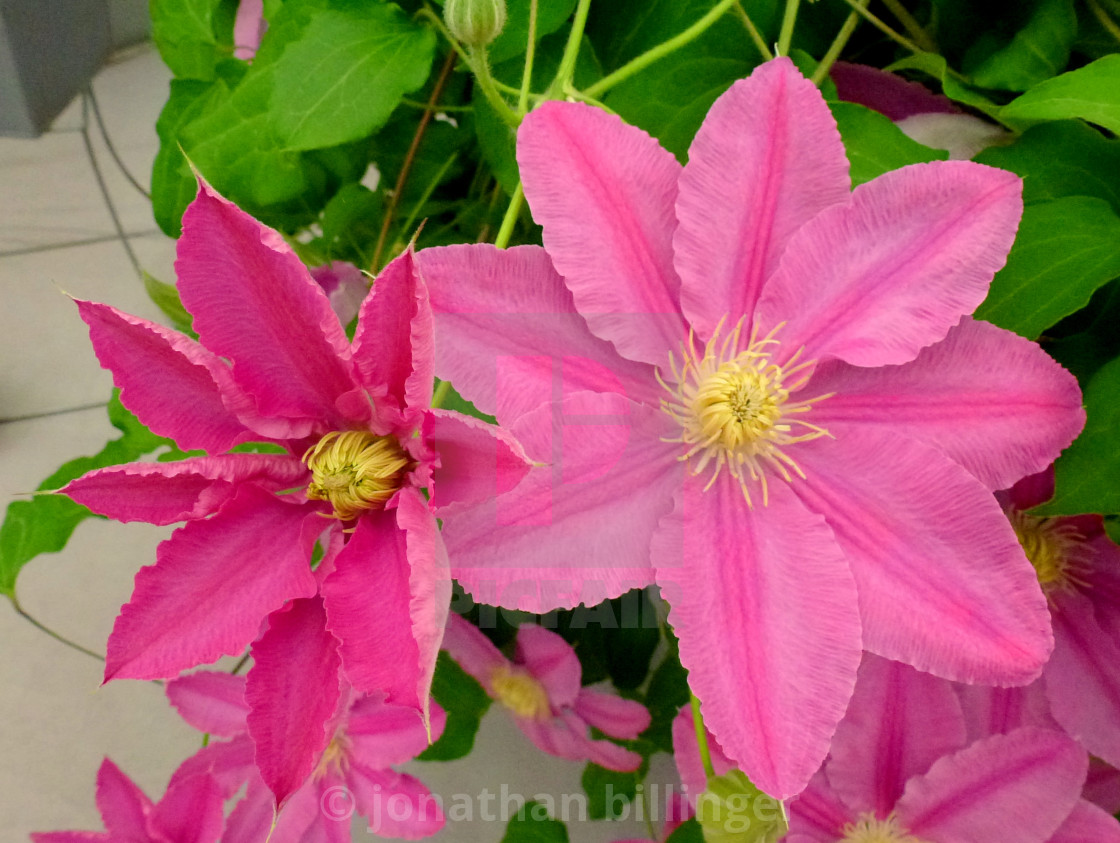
[357, 440]
[190, 812]
[901, 770]
[541, 690]
[759, 389]
[354, 773]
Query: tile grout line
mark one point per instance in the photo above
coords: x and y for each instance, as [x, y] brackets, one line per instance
[70, 244]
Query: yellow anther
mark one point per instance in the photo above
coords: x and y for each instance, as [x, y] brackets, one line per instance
[335, 759]
[355, 471]
[520, 692]
[870, 829]
[1055, 548]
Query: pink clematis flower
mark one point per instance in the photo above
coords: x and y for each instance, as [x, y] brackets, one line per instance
[354, 773]
[760, 389]
[356, 440]
[190, 812]
[541, 690]
[902, 770]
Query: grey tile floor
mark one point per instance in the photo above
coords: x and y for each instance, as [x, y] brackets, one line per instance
[57, 237]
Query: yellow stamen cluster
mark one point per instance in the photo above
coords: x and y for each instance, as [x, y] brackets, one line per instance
[870, 829]
[355, 471]
[520, 693]
[335, 759]
[734, 410]
[1055, 548]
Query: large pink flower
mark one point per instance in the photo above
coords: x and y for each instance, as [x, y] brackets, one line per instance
[760, 389]
[541, 690]
[338, 512]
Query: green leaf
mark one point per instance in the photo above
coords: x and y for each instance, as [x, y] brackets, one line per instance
[350, 222]
[1036, 52]
[687, 832]
[184, 33]
[44, 523]
[1063, 158]
[666, 693]
[874, 144]
[534, 824]
[454, 401]
[609, 793]
[344, 75]
[951, 86]
[1085, 474]
[464, 701]
[166, 298]
[1091, 93]
[733, 810]
[514, 37]
[1064, 251]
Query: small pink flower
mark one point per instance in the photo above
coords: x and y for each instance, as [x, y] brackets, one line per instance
[541, 690]
[901, 770]
[760, 389]
[354, 774]
[190, 812]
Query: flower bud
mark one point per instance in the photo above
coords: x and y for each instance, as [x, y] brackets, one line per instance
[475, 22]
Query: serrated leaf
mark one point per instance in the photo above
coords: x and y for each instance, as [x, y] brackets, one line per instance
[1085, 475]
[1091, 93]
[1037, 52]
[1064, 251]
[184, 34]
[44, 523]
[534, 824]
[1063, 158]
[465, 702]
[344, 75]
[609, 792]
[875, 145]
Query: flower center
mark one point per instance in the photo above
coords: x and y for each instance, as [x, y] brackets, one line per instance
[870, 829]
[733, 405]
[355, 471]
[520, 693]
[1055, 548]
[335, 760]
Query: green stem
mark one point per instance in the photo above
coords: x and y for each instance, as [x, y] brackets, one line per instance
[884, 28]
[1108, 23]
[752, 30]
[505, 232]
[702, 738]
[57, 636]
[480, 64]
[428, 191]
[442, 27]
[440, 395]
[661, 50]
[785, 36]
[911, 25]
[530, 53]
[838, 44]
[567, 68]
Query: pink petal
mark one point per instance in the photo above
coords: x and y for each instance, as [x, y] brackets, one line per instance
[509, 329]
[999, 426]
[943, 583]
[190, 812]
[997, 711]
[171, 383]
[255, 304]
[817, 814]
[604, 192]
[382, 735]
[212, 585]
[472, 650]
[578, 530]
[686, 755]
[251, 820]
[1087, 824]
[248, 27]
[1018, 787]
[210, 700]
[393, 342]
[229, 763]
[303, 819]
[876, 280]
[765, 610]
[477, 461]
[183, 490]
[1102, 785]
[898, 723]
[395, 805]
[551, 661]
[390, 644]
[565, 736]
[892, 96]
[292, 691]
[1082, 678]
[611, 714]
[124, 807]
[766, 160]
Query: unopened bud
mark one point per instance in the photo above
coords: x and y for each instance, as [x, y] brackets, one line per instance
[475, 22]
